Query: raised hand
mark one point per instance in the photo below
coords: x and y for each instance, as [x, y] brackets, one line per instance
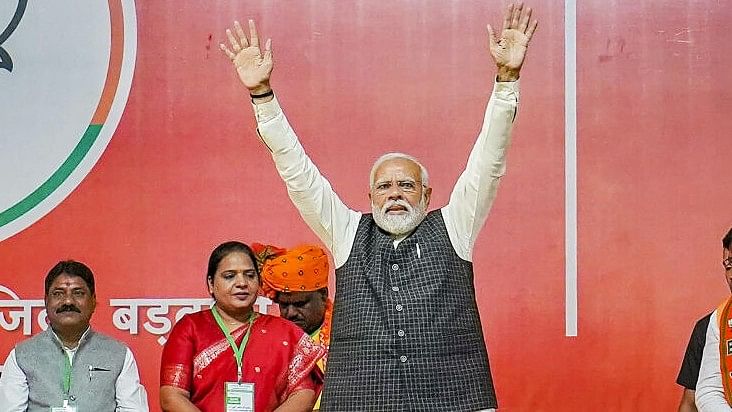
[253, 67]
[509, 49]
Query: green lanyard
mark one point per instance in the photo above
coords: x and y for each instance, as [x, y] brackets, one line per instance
[314, 334]
[238, 351]
[66, 383]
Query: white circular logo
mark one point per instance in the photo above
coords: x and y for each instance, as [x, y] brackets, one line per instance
[65, 74]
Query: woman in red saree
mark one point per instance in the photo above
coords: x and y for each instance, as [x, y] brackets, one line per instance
[198, 361]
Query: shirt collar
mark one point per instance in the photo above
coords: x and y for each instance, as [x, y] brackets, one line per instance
[81, 339]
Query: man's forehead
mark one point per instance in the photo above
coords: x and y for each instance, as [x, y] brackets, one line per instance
[65, 281]
[399, 178]
[293, 297]
[397, 168]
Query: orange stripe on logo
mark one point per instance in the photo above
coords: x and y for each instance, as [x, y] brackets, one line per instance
[115, 62]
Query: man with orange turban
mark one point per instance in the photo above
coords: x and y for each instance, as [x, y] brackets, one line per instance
[297, 280]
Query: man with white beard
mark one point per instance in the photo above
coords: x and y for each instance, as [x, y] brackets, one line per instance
[395, 215]
[406, 333]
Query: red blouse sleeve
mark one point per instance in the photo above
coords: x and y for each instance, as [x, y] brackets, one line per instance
[176, 365]
[314, 381]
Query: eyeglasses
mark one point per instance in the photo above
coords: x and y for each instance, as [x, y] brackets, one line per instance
[406, 186]
[727, 263]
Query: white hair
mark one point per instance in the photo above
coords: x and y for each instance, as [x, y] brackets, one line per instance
[424, 177]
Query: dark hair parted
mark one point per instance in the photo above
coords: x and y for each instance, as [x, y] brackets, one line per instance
[72, 268]
[224, 250]
[727, 240]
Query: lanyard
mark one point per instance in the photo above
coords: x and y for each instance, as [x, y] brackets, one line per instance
[66, 382]
[238, 351]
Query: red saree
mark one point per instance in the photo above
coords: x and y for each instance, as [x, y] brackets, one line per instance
[279, 359]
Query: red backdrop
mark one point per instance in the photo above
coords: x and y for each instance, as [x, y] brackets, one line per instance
[185, 171]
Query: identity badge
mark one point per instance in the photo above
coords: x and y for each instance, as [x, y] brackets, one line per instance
[239, 397]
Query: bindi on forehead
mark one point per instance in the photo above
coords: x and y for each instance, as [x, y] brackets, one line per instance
[68, 281]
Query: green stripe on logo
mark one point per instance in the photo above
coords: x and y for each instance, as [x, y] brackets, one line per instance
[56, 179]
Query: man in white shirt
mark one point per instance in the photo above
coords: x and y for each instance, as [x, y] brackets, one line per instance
[710, 393]
[69, 366]
[406, 332]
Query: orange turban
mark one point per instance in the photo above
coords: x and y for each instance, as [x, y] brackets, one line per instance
[302, 269]
[263, 252]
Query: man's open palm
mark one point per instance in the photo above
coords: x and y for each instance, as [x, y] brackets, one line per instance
[253, 67]
[509, 49]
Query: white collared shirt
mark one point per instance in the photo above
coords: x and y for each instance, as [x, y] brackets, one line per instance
[709, 395]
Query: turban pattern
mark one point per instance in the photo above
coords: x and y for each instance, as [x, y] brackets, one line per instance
[302, 269]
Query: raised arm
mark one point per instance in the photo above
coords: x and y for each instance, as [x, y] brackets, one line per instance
[333, 222]
[475, 190]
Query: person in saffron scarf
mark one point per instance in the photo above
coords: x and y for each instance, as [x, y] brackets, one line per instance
[714, 387]
[203, 367]
[297, 280]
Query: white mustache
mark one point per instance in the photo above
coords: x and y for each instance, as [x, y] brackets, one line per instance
[397, 202]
